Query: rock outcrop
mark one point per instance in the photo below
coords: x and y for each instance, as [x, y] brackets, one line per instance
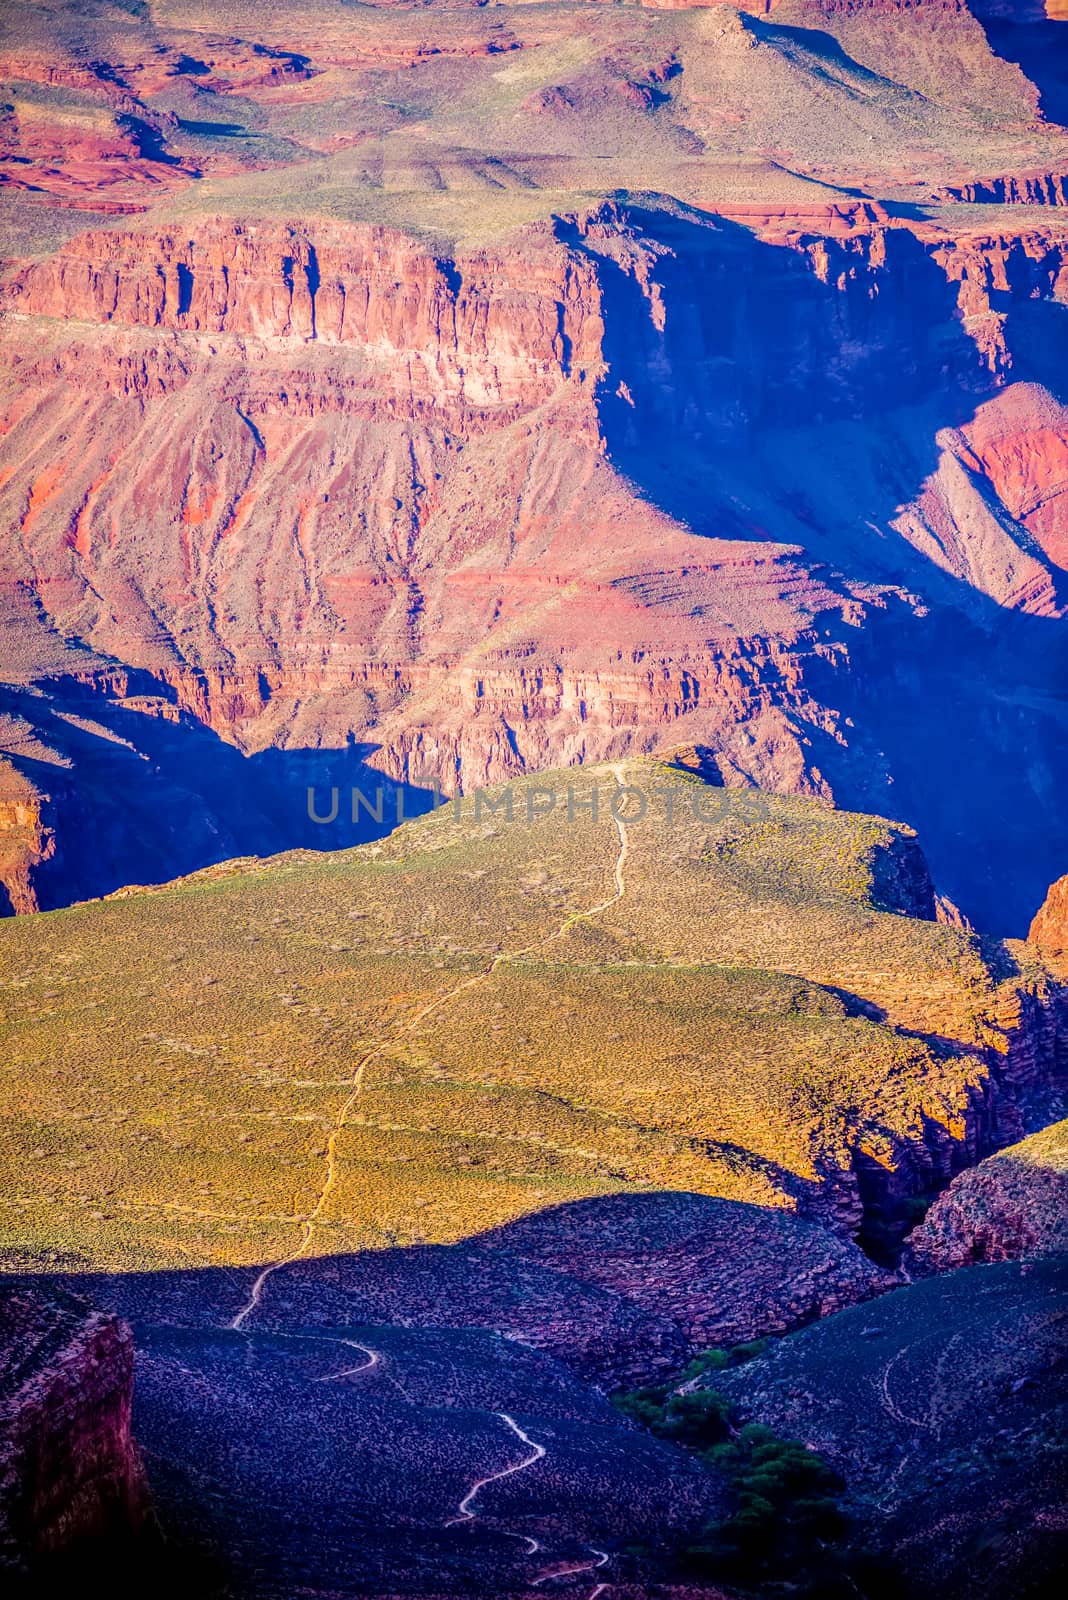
[1011, 1206]
[70, 1474]
[1049, 930]
[621, 1289]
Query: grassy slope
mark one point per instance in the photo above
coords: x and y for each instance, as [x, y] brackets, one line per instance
[944, 1408]
[410, 120]
[174, 1062]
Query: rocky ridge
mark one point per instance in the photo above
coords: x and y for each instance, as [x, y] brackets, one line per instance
[70, 1474]
[1049, 930]
[1010, 1207]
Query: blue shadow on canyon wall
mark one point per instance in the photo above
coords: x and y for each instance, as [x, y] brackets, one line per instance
[751, 401]
[278, 1448]
[150, 795]
[1040, 48]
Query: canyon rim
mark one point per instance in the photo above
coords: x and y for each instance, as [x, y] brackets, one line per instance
[443, 1195]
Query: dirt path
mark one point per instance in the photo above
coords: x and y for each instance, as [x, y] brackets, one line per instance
[600, 1559]
[464, 1513]
[889, 1404]
[308, 1222]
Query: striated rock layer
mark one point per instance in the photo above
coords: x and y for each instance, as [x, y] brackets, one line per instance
[1013, 1205]
[321, 486]
[69, 1472]
[527, 387]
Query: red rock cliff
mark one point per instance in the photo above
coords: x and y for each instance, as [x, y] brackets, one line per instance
[528, 504]
[69, 1471]
[1049, 930]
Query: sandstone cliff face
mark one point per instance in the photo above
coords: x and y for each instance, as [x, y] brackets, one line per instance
[1019, 189]
[69, 1472]
[326, 485]
[487, 330]
[1011, 1206]
[26, 841]
[760, 462]
[1049, 930]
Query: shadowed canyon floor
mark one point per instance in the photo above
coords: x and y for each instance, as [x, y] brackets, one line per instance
[944, 1406]
[490, 388]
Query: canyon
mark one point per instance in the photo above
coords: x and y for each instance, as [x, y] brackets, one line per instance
[465, 401]
[643, 427]
[443, 1139]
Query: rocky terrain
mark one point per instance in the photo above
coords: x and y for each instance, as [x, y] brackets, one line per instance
[744, 996]
[70, 1475]
[944, 1407]
[1013, 1205]
[359, 358]
[440, 1139]
[1049, 930]
[641, 1176]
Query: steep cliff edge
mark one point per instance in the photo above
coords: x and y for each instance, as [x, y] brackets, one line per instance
[378, 494]
[1010, 1207]
[562, 385]
[1049, 930]
[69, 1471]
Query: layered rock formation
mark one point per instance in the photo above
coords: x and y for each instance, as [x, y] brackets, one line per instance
[1011, 1206]
[677, 378]
[620, 1290]
[424, 625]
[69, 1472]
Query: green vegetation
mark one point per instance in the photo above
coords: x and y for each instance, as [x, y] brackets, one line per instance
[696, 1417]
[443, 1011]
[787, 1515]
[785, 1518]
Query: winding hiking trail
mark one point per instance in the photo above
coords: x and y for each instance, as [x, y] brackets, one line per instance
[464, 1513]
[600, 1559]
[308, 1222]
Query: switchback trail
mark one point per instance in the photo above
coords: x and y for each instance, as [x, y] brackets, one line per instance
[308, 1222]
[464, 1512]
